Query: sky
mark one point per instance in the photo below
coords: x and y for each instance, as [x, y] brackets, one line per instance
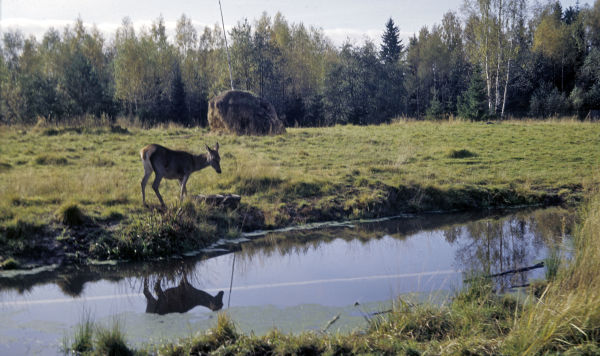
[341, 20]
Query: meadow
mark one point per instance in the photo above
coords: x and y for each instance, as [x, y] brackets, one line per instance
[74, 190]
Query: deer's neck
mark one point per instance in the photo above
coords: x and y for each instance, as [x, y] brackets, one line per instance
[200, 161]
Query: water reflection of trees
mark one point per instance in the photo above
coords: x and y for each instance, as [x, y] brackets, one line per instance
[494, 245]
[301, 242]
[485, 244]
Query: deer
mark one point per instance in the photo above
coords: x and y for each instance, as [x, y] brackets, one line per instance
[171, 164]
[180, 299]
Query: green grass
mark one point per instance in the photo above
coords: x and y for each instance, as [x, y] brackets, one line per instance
[306, 175]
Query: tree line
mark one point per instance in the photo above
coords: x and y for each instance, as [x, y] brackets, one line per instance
[494, 59]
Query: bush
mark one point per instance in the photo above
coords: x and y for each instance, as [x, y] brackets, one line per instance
[547, 101]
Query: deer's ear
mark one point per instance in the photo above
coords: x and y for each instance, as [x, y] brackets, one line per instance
[217, 147]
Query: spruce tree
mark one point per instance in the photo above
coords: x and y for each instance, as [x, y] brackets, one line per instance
[473, 102]
[391, 46]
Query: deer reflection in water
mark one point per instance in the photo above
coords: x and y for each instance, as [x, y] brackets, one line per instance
[179, 299]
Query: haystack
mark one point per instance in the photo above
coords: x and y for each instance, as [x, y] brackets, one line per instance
[241, 113]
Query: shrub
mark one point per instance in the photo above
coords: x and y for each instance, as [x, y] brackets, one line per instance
[548, 101]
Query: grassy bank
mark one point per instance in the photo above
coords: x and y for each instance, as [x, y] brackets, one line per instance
[69, 194]
[557, 317]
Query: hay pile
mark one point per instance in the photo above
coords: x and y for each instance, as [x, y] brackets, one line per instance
[241, 113]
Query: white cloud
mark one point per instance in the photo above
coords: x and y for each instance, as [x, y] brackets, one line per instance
[37, 28]
[340, 36]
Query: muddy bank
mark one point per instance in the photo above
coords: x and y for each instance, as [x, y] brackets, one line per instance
[172, 233]
[384, 201]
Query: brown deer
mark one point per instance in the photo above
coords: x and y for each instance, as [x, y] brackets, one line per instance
[180, 299]
[170, 164]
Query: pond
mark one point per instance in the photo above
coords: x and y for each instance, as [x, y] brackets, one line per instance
[290, 280]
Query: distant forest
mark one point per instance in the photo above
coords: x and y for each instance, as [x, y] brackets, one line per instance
[494, 59]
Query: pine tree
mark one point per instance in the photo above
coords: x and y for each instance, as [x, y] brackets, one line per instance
[391, 46]
[473, 102]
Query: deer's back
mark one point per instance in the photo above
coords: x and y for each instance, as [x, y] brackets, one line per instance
[185, 297]
[168, 163]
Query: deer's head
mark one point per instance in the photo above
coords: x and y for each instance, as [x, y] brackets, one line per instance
[213, 158]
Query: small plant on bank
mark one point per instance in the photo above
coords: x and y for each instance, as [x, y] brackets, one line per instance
[9, 263]
[71, 215]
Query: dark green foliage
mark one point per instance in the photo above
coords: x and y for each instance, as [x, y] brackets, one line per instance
[310, 82]
[548, 101]
[391, 44]
[435, 109]
[178, 111]
[473, 103]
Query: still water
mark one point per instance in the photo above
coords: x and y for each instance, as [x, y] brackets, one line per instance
[294, 281]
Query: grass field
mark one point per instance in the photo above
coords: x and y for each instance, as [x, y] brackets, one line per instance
[61, 183]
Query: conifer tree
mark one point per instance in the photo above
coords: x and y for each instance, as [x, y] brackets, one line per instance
[391, 46]
[473, 102]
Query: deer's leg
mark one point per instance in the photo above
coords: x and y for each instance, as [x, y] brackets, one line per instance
[155, 187]
[182, 183]
[158, 289]
[146, 290]
[147, 173]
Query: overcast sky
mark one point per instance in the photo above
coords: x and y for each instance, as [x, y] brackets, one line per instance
[340, 19]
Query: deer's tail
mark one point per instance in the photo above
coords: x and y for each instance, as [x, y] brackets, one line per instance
[145, 154]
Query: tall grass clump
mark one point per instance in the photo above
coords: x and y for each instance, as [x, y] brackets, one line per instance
[71, 215]
[111, 341]
[552, 263]
[83, 340]
[567, 316]
[223, 334]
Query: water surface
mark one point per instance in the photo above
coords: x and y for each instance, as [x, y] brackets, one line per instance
[293, 281]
